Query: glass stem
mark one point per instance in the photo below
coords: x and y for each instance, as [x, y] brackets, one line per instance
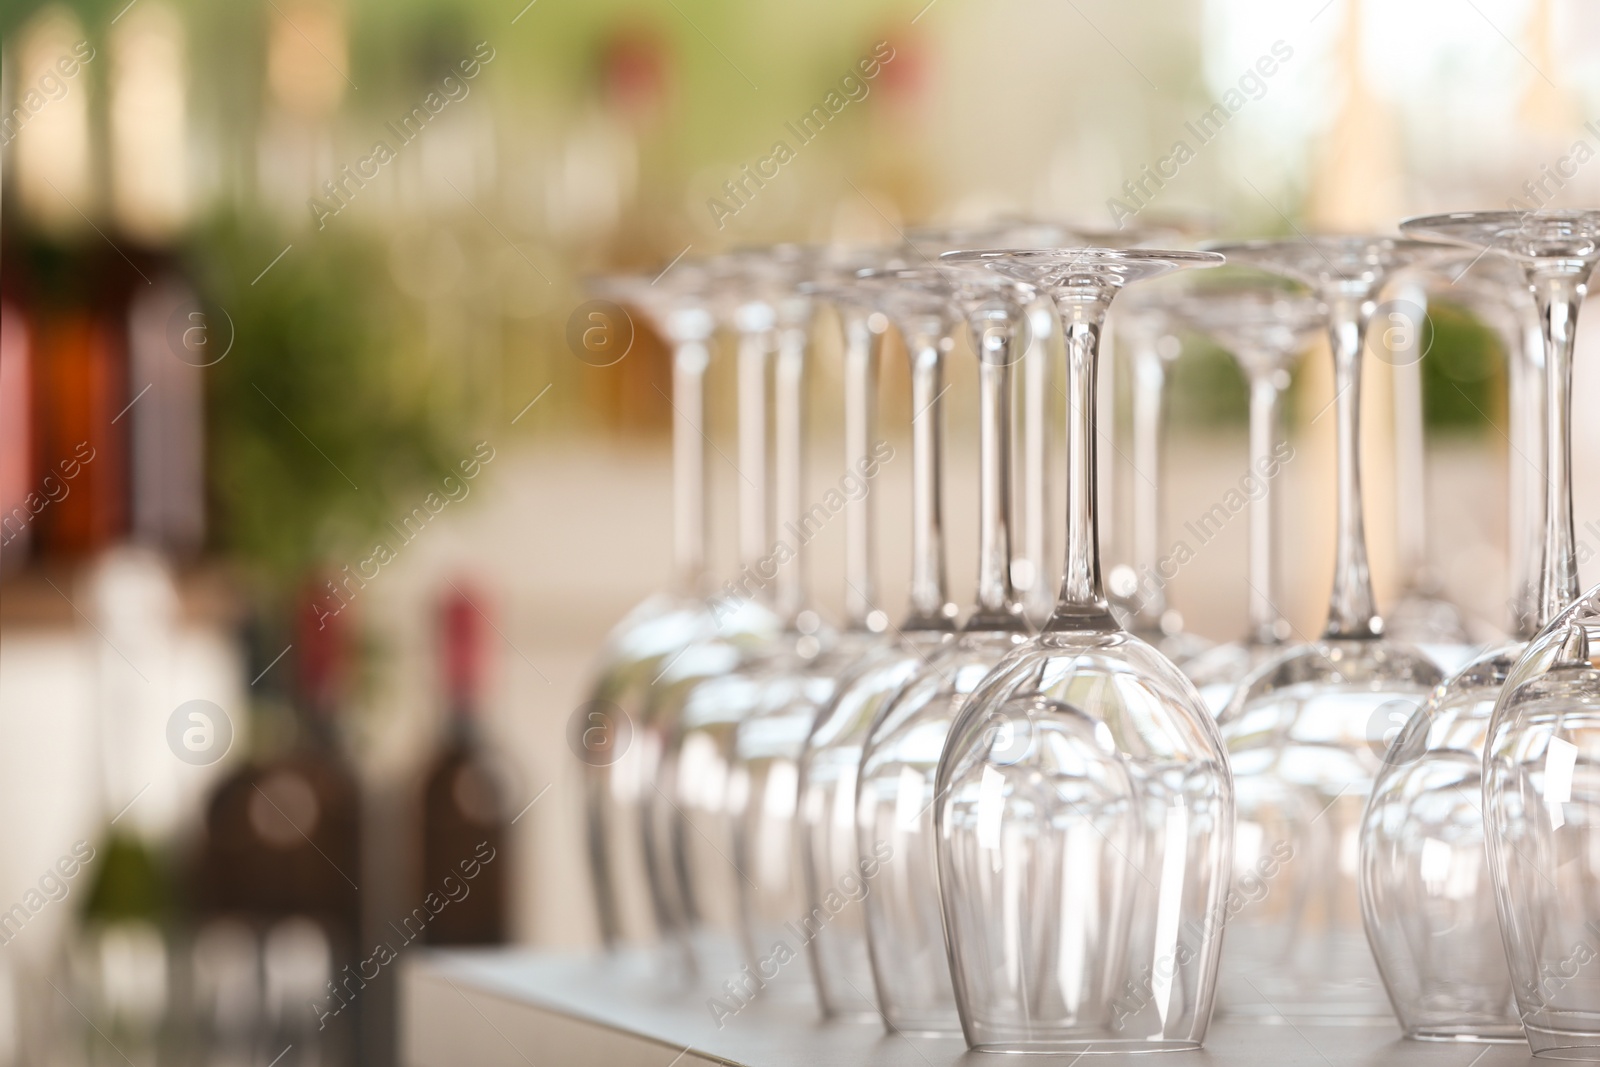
[1352, 612]
[931, 608]
[690, 358]
[997, 607]
[1082, 605]
[1523, 338]
[1558, 290]
[755, 536]
[862, 346]
[1266, 621]
[1149, 416]
[789, 479]
[1036, 458]
[1410, 452]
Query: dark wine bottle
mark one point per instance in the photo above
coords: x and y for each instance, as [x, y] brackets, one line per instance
[463, 826]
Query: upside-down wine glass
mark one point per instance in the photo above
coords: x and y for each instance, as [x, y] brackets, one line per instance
[621, 745]
[1427, 896]
[900, 748]
[705, 694]
[836, 878]
[769, 743]
[1035, 400]
[1264, 329]
[1140, 589]
[1541, 765]
[1300, 730]
[1083, 807]
[1421, 615]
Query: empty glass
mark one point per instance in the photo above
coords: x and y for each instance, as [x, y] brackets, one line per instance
[1541, 779]
[619, 738]
[837, 879]
[1426, 893]
[1265, 329]
[893, 821]
[1083, 803]
[703, 696]
[1305, 732]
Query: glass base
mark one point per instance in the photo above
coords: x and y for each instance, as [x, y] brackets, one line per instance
[1505, 1034]
[1305, 1015]
[1085, 1047]
[1552, 1044]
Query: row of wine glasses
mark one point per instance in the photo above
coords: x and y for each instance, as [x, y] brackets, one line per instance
[1032, 828]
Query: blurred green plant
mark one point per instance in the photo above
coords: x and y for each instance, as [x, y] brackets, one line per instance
[324, 418]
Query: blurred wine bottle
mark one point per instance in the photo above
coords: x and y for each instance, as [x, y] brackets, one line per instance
[279, 868]
[124, 959]
[463, 830]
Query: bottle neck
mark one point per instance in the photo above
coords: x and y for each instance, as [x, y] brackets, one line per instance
[931, 608]
[997, 607]
[1082, 605]
[1352, 611]
[691, 356]
[1558, 291]
[862, 346]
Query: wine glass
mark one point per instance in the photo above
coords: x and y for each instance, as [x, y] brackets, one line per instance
[1421, 615]
[1031, 562]
[1299, 729]
[1264, 329]
[1083, 804]
[1539, 771]
[620, 741]
[916, 300]
[1139, 590]
[701, 697]
[899, 748]
[1426, 893]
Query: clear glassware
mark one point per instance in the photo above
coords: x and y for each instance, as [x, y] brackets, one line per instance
[701, 698]
[1138, 590]
[1264, 329]
[769, 742]
[836, 881]
[1426, 894]
[1539, 771]
[1036, 397]
[1083, 803]
[619, 738]
[899, 747]
[1421, 615]
[1300, 730]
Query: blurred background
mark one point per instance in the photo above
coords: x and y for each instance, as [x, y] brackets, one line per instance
[313, 519]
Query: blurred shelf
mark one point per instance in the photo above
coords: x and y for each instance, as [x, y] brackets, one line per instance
[518, 1007]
